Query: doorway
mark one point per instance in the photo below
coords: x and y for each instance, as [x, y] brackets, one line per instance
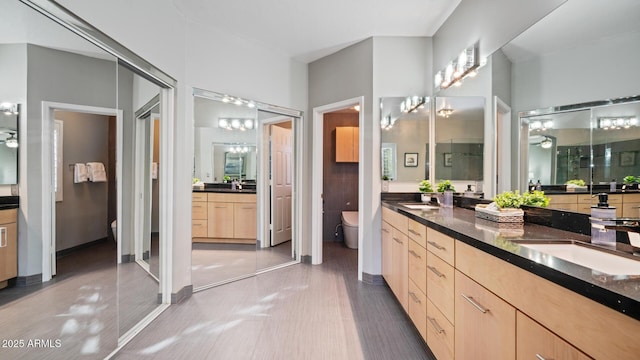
[318, 170]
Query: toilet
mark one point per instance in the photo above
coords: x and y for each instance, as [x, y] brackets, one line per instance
[350, 228]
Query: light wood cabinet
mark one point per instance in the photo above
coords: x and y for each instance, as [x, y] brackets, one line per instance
[582, 202]
[224, 217]
[8, 245]
[441, 245]
[417, 309]
[440, 283]
[485, 325]
[387, 241]
[533, 341]
[418, 265]
[399, 263]
[631, 205]
[417, 232]
[347, 140]
[440, 333]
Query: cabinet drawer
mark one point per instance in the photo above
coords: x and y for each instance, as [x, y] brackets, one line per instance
[418, 309]
[559, 206]
[441, 245]
[198, 196]
[440, 333]
[231, 197]
[593, 200]
[533, 341]
[396, 220]
[199, 228]
[478, 314]
[417, 265]
[563, 199]
[440, 285]
[8, 216]
[631, 198]
[199, 210]
[630, 210]
[417, 232]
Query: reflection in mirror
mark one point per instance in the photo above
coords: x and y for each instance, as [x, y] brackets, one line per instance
[404, 134]
[224, 209]
[277, 148]
[559, 147]
[459, 153]
[9, 115]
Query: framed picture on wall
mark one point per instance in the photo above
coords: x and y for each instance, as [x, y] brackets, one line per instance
[410, 159]
[627, 158]
[447, 159]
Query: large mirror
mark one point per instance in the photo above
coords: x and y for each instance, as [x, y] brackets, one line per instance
[9, 115]
[576, 82]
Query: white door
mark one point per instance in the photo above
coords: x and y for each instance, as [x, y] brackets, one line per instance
[281, 184]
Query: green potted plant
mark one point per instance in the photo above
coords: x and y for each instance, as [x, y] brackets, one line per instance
[631, 181]
[576, 185]
[446, 188]
[385, 183]
[425, 189]
[445, 185]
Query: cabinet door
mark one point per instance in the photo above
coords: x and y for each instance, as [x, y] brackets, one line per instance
[400, 251]
[418, 309]
[536, 342]
[346, 144]
[485, 325]
[8, 251]
[440, 285]
[245, 221]
[440, 333]
[220, 222]
[418, 265]
[387, 240]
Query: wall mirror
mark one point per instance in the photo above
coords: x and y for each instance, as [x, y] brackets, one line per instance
[9, 146]
[571, 79]
[405, 132]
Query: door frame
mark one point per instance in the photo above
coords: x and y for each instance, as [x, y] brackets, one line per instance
[49, 201]
[502, 145]
[316, 178]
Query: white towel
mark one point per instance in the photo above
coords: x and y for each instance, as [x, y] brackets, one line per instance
[80, 174]
[154, 171]
[97, 172]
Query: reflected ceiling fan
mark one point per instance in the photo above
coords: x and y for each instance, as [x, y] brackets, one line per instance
[11, 141]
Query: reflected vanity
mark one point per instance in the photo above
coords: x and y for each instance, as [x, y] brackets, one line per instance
[9, 115]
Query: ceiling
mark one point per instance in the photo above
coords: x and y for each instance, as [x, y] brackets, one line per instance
[309, 30]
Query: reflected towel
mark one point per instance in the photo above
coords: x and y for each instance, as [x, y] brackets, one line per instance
[80, 174]
[96, 171]
[154, 171]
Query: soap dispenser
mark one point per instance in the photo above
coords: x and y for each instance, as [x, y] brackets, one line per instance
[469, 191]
[599, 216]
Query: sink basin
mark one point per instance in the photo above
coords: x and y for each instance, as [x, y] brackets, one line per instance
[588, 257]
[415, 206]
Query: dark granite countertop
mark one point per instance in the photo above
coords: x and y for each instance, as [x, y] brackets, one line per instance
[621, 293]
[217, 190]
[9, 202]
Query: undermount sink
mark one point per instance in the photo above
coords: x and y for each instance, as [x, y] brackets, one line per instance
[415, 206]
[588, 257]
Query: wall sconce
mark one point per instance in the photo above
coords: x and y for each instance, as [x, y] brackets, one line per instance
[235, 124]
[540, 125]
[412, 104]
[463, 66]
[618, 122]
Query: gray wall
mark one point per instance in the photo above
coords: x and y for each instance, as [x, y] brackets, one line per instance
[59, 77]
[82, 214]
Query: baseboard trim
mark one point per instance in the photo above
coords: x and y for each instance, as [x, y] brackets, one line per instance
[127, 258]
[22, 281]
[372, 279]
[181, 295]
[305, 259]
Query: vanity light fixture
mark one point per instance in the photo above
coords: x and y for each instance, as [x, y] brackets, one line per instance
[236, 124]
[9, 108]
[465, 65]
[412, 103]
[540, 125]
[238, 149]
[616, 123]
[387, 122]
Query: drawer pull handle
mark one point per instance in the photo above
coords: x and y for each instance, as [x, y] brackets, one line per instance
[220, 206]
[414, 232]
[540, 357]
[414, 297]
[397, 240]
[3, 236]
[435, 271]
[474, 303]
[247, 207]
[385, 230]
[415, 254]
[436, 245]
[435, 325]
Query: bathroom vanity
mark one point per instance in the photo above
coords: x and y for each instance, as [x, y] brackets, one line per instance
[475, 289]
[8, 240]
[224, 216]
